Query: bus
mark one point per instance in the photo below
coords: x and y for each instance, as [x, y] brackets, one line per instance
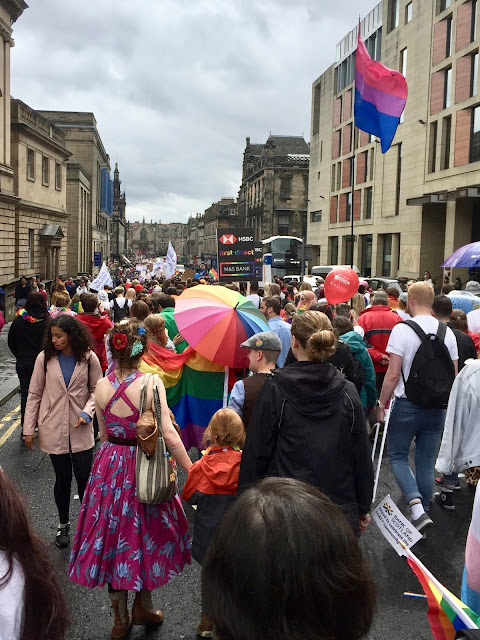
[286, 255]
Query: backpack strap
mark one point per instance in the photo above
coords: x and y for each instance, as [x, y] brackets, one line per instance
[441, 331]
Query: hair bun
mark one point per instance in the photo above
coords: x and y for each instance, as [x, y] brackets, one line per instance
[321, 345]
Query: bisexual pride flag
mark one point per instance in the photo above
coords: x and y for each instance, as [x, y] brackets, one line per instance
[380, 96]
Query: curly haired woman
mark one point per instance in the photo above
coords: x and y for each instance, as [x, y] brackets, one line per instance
[60, 402]
[119, 541]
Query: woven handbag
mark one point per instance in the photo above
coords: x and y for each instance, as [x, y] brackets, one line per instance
[156, 475]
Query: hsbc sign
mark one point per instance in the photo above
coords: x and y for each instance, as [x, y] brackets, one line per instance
[231, 239]
[239, 256]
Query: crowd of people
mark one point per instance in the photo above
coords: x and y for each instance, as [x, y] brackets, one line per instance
[284, 487]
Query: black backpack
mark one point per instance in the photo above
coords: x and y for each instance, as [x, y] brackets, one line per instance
[432, 372]
[118, 312]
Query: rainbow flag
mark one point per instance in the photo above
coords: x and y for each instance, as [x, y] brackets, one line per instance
[446, 613]
[194, 386]
[380, 96]
[213, 274]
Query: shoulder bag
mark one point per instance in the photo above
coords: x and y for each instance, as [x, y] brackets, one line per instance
[156, 472]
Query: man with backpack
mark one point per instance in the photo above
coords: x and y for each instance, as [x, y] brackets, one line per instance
[423, 364]
[120, 306]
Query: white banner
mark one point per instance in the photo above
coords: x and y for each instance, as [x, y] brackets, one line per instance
[394, 525]
[171, 261]
[102, 279]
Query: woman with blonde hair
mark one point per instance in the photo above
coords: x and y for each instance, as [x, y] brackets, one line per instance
[131, 294]
[308, 424]
[358, 304]
[156, 331]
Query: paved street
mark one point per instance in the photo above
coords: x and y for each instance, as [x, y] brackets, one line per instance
[7, 361]
[405, 618]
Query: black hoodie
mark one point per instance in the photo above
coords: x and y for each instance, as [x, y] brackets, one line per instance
[308, 424]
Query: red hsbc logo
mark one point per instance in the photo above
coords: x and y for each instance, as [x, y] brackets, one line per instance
[231, 239]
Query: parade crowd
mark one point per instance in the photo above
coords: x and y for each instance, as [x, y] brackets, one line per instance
[283, 485]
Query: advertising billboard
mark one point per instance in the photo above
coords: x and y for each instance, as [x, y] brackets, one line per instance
[240, 257]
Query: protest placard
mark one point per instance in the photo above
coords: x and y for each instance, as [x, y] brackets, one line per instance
[102, 279]
[394, 525]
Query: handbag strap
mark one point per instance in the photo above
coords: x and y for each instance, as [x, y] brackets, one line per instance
[157, 404]
[143, 393]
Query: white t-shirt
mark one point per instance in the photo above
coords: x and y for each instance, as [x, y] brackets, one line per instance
[473, 319]
[11, 600]
[121, 302]
[404, 342]
[255, 298]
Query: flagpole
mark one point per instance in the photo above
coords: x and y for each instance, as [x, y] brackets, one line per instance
[353, 194]
[461, 613]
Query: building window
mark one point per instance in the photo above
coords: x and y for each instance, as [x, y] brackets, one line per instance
[403, 62]
[333, 181]
[58, 176]
[368, 203]
[334, 250]
[365, 166]
[387, 255]
[285, 188]
[448, 42]
[447, 88]
[366, 259]
[443, 4]
[316, 216]
[283, 225]
[473, 24]
[348, 206]
[446, 138]
[30, 164]
[339, 175]
[408, 12]
[474, 74]
[432, 151]
[393, 14]
[345, 72]
[372, 162]
[316, 110]
[45, 170]
[399, 178]
[475, 136]
[31, 248]
[349, 242]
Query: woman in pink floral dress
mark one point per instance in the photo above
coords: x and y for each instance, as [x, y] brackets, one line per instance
[119, 541]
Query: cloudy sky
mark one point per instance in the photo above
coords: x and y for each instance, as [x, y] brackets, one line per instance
[177, 85]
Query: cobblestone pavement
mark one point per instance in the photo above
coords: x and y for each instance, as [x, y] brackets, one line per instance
[7, 361]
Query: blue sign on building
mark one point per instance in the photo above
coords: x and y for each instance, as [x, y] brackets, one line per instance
[97, 258]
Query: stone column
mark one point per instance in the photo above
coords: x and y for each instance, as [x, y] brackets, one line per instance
[57, 261]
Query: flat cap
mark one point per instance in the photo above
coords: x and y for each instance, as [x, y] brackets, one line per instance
[264, 340]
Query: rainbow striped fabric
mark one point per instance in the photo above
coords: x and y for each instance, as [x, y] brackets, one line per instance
[380, 96]
[194, 387]
[446, 613]
[213, 274]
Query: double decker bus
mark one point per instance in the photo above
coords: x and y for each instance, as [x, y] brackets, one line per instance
[286, 255]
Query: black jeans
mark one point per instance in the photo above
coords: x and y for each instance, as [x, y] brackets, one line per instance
[24, 373]
[62, 465]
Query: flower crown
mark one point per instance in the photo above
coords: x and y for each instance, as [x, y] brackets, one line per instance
[120, 342]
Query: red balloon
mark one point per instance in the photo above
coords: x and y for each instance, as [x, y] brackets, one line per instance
[341, 284]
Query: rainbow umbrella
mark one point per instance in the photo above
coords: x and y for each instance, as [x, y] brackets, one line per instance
[215, 321]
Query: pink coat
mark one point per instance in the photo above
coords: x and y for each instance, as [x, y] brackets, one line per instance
[55, 409]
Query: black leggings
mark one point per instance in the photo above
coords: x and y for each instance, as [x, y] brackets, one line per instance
[62, 465]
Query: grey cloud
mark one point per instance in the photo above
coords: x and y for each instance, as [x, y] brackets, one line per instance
[177, 85]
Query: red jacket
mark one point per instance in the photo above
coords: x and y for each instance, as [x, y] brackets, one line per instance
[98, 325]
[378, 321]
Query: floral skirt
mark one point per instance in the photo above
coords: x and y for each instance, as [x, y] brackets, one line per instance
[121, 541]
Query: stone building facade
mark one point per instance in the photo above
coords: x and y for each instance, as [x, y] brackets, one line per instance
[221, 215]
[38, 160]
[84, 142]
[10, 11]
[420, 201]
[273, 196]
[195, 239]
[152, 238]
